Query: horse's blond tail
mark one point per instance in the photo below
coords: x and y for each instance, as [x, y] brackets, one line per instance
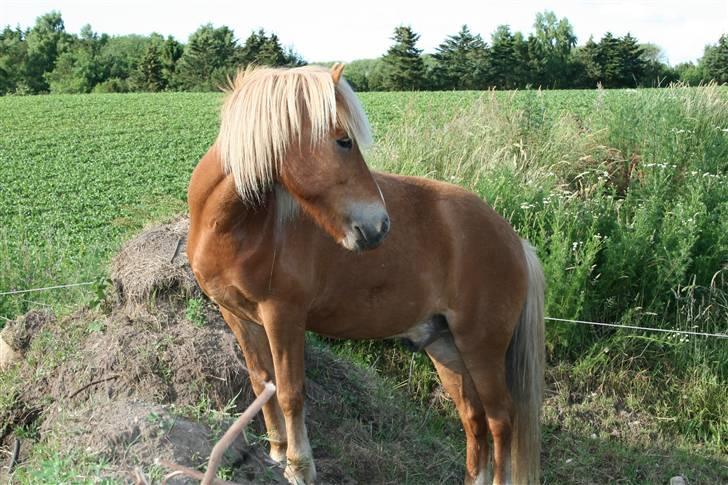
[525, 363]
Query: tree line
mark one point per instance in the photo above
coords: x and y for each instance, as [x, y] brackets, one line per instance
[46, 58]
[547, 58]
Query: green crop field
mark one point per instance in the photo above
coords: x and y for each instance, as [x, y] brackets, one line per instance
[79, 173]
[624, 193]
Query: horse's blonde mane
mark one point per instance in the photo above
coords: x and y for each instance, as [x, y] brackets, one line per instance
[263, 114]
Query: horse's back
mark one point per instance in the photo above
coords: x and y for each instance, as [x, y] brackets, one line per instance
[452, 215]
[477, 252]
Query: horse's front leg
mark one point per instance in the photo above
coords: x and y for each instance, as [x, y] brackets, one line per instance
[286, 334]
[256, 350]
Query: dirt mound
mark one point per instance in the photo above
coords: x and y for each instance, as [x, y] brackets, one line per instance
[153, 372]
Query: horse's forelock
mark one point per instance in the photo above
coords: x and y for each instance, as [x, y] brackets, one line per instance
[263, 113]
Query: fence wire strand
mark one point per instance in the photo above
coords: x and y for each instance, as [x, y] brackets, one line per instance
[635, 327]
[553, 319]
[56, 287]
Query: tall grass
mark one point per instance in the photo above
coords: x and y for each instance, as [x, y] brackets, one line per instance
[627, 202]
[624, 193]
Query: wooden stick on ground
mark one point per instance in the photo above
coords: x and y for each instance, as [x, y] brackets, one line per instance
[93, 383]
[190, 472]
[14, 456]
[227, 439]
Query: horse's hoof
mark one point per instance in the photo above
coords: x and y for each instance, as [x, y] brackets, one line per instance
[297, 474]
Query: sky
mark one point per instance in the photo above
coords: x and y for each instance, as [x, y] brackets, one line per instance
[340, 30]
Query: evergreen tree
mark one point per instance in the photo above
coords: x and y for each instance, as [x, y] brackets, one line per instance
[149, 74]
[461, 62]
[522, 76]
[293, 58]
[607, 57]
[715, 61]
[45, 58]
[614, 62]
[170, 53]
[508, 66]
[632, 65]
[248, 53]
[271, 53]
[266, 50]
[405, 70]
[207, 58]
[587, 70]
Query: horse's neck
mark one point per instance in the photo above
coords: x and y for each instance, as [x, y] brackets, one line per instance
[251, 221]
[213, 194]
[226, 232]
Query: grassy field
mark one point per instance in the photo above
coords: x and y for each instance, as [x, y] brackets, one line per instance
[624, 193]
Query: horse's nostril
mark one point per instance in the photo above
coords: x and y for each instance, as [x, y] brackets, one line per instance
[385, 225]
[362, 234]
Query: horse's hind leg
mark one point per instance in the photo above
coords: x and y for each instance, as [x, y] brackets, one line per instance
[458, 384]
[256, 350]
[485, 361]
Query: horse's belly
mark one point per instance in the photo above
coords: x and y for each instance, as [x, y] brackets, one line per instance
[363, 320]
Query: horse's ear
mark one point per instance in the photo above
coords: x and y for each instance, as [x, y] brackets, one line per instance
[336, 72]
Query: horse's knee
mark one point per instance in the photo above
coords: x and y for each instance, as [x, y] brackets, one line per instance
[258, 377]
[476, 422]
[501, 428]
[291, 401]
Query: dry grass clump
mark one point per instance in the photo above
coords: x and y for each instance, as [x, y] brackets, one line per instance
[154, 266]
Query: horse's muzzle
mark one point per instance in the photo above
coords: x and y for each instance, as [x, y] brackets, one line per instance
[368, 228]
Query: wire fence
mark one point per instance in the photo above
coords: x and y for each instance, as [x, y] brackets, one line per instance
[56, 287]
[552, 319]
[635, 327]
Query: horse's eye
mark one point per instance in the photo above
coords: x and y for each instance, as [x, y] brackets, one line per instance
[344, 142]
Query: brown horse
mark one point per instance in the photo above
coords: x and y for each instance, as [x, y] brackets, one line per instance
[290, 231]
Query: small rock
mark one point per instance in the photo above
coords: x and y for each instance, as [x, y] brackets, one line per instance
[8, 355]
[678, 480]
